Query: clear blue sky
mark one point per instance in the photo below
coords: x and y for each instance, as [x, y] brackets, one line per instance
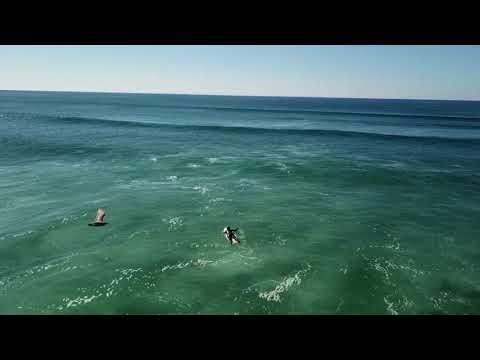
[419, 72]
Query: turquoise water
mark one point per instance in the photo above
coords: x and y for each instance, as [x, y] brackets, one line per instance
[344, 206]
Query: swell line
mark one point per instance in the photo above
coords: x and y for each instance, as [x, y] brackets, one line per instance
[323, 112]
[240, 129]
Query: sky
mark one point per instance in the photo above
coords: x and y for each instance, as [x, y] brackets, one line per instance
[395, 72]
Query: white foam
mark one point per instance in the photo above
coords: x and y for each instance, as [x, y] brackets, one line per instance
[69, 218]
[135, 233]
[244, 183]
[274, 295]
[24, 233]
[439, 301]
[390, 307]
[182, 265]
[414, 271]
[193, 166]
[108, 288]
[283, 167]
[202, 189]
[287, 283]
[201, 262]
[382, 270]
[141, 185]
[393, 307]
[395, 164]
[128, 273]
[79, 300]
[339, 305]
[69, 268]
[212, 160]
[394, 246]
[407, 304]
[174, 223]
[219, 199]
[281, 241]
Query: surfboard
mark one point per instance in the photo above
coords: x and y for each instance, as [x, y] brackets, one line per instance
[234, 240]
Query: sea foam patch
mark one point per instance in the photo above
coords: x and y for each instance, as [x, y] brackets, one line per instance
[282, 287]
[174, 223]
[105, 290]
[282, 167]
[201, 189]
[182, 265]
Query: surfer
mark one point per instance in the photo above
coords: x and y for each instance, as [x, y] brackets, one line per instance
[230, 235]
[99, 220]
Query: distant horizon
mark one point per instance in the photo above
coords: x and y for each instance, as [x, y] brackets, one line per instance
[231, 95]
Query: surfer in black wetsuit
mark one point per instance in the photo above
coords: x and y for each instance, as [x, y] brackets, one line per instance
[230, 235]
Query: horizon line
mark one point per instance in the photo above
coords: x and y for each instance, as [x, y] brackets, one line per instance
[226, 95]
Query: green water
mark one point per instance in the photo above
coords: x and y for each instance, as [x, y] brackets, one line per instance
[331, 222]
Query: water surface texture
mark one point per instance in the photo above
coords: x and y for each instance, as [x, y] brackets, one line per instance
[343, 206]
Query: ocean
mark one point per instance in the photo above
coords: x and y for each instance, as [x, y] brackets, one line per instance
[344, 206]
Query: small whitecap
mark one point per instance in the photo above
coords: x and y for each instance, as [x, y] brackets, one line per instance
[283, 167]
[23, 233]
[275, 294]
[390, 307]
[202, 189]
[173, 223]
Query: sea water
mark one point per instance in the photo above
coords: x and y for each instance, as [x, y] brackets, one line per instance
[344, 206]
